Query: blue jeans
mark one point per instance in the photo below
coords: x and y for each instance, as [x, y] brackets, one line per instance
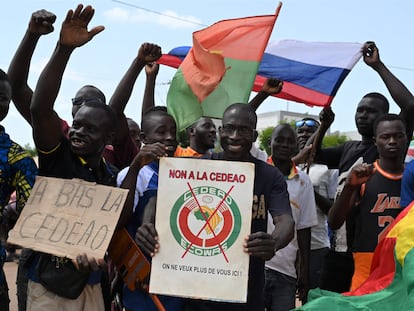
[280, 291]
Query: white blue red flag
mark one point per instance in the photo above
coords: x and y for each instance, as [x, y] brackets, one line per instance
[312, 72]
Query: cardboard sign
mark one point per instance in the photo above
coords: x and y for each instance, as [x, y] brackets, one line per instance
[131, 263]
[67, 217]
[203, 215]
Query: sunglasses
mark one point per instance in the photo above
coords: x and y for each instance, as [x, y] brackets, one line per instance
[310, 123]
[77, 101]
[229, 129]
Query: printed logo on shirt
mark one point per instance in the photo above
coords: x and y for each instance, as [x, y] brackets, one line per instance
[207, 224]
[259, 207]
[385, 202]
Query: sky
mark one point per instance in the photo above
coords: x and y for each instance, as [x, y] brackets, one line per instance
[104, 60]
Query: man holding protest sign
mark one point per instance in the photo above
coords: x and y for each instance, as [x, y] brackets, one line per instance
[237, 134]
[270, 195]
[80, 156]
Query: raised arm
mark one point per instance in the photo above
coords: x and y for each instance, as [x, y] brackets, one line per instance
[148, 100]
[147, 154]
[74, 33]
[349, 195]
[399, 92]
[41, 23]
[326, 116]
[270, 87]
[324, 204]
[148, 52]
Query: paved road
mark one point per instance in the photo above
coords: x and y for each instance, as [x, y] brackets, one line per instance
[10, 268]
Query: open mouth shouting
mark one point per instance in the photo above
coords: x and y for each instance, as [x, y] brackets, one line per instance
[77, 142]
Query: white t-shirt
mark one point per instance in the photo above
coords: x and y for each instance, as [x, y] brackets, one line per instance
[324, 182]
[144, 178]
[302, 202]
[258, 154]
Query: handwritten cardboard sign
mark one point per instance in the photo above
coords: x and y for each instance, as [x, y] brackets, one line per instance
[203, 215]
[67, 217]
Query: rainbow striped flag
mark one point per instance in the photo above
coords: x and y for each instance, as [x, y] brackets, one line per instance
[219, 69]
[391, 279]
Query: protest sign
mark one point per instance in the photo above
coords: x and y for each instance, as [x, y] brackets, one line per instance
[203, 215]
[67, 217]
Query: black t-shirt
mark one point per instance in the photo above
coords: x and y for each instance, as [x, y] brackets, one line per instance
[62, 163]
[270, 195]
[344, 156]
[377, 208]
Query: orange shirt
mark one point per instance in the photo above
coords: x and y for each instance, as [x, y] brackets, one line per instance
[186, 152]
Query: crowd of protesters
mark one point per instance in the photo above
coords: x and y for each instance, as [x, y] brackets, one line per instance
[317, 214]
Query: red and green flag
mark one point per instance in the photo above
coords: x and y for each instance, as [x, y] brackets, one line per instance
[390, 285]
[220, 68]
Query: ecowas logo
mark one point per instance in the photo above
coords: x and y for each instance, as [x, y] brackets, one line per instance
[205, 221]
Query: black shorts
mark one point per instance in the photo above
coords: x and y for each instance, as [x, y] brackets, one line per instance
[337, 271]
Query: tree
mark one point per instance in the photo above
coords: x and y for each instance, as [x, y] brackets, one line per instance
[264, 139]
[32, 151]
[331, 140]
[183, 139]
[334, 139]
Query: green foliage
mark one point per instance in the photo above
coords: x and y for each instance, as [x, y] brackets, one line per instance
[264, 139]
[333, 140]
[31, 150]
[292, 123]
[266, 134]
[183, 139]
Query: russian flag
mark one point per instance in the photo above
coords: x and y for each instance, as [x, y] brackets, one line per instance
[312, 72]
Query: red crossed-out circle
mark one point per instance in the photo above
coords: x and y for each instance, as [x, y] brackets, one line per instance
[215, 240]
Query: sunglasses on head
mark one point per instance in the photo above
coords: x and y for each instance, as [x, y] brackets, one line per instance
[310, 123]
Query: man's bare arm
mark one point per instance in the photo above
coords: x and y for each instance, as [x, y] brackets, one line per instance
[41, 23]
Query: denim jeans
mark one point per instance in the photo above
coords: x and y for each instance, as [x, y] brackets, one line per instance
[280, 291]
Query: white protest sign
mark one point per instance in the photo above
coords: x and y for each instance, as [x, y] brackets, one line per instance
[67, 217]
[203, 215]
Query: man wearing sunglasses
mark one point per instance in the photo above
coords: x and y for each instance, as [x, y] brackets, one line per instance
[324, 183]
